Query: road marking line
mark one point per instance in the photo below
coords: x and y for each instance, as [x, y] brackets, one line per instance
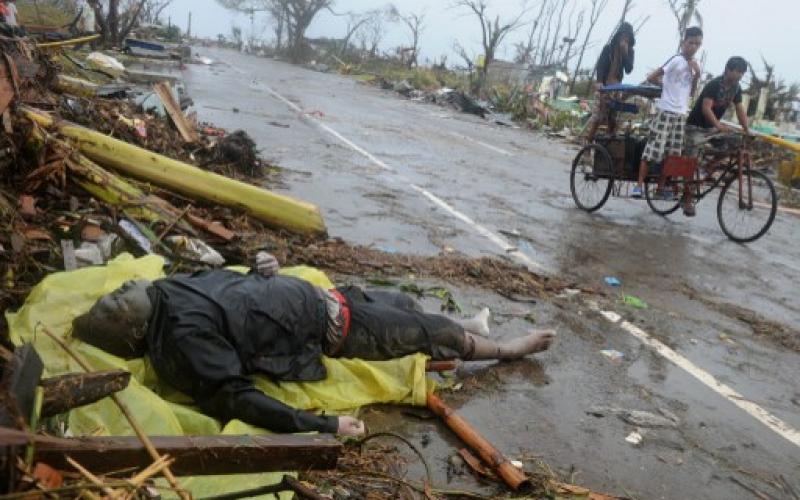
[498, 240]
[509, 249]
[792, 211]
[481, 143]
[774, 423]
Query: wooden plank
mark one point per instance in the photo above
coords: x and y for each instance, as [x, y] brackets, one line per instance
[206, 455]
[164, 91]
[214, 228]
[66, 392]
[18, 386]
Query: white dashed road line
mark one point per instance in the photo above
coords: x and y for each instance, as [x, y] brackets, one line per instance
[774, 423]
[495, 238]
[483, 144]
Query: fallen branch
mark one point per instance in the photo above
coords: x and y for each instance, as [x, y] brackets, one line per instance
[502, 466]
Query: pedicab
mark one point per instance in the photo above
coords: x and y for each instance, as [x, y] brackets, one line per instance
[609, 166]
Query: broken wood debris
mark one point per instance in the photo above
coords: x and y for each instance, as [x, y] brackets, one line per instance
[74, 390]
[502, 466]
[195, 455]
[164, 92]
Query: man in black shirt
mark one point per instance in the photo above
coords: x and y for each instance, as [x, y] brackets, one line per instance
[206, 334]
[713, 103]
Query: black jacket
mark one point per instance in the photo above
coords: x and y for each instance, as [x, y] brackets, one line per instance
[604, 64]
[210, 331]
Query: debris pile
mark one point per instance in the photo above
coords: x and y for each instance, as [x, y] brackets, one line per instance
[88, 174]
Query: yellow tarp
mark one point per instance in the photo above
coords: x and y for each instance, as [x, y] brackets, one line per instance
[162, 411]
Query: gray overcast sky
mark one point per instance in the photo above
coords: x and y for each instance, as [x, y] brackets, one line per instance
[750, 28]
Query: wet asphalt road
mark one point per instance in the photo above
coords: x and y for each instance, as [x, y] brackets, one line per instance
[504, 179]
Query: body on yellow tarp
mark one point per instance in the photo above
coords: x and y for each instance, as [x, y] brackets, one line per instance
[162, 411]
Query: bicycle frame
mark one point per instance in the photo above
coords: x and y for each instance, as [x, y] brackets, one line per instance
[739, 161]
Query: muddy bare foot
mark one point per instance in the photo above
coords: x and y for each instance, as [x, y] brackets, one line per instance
[535, 342]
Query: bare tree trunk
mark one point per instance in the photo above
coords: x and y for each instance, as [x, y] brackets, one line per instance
[598, 6]
[539, 46]
[559, 25]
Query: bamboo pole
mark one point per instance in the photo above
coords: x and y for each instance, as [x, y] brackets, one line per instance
[67, 43]
[76, 86]
[112, 189]
[512, 476]
[274, 209]
[151, 450]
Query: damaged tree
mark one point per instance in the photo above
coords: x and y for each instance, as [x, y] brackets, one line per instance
[295, 15]
[493, 32]
[598, 6]
[115, 25]
[685, 11]
[415, 24]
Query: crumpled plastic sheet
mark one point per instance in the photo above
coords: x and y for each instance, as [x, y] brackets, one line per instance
[161, 410]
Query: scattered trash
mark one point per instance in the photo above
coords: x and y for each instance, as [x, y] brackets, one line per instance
[634, 438]
[612, 281]
[196, 250]
[614, 355]
[638, 418]
[449, 303]
[517, 464]
[279, 125]
[106, 64]
[634, 302]
[132, 231]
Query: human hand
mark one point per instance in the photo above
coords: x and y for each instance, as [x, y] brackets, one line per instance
[723, 129]
[266, 264]
[349, 426]
[695, 67]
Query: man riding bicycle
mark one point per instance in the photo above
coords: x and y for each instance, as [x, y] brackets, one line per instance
[713, 103]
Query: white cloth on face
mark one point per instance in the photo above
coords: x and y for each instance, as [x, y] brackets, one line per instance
[677, 87]
[11, 14]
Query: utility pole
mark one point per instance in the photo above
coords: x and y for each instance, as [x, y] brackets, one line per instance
[189, 29]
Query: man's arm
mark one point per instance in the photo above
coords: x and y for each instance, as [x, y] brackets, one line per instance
[708, 114]
[211, 367]
[627, 60]
[656, 76]
[696, 74]
[741, 115]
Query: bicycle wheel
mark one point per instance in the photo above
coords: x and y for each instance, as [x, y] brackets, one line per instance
[747, 218]
[665, 201]
[591, 177]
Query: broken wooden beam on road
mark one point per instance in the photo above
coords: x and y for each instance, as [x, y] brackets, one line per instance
[66, 392]
[195, 456]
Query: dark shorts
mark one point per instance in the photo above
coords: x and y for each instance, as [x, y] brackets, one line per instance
[388, 325]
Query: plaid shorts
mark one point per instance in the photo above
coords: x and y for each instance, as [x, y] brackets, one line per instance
[665, 137]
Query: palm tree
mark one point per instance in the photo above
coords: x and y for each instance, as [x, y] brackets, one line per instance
[685, 11]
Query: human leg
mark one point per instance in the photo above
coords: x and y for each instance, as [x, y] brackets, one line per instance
[657, 137]
[380, 331]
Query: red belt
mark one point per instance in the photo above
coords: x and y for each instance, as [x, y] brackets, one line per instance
[345, 312]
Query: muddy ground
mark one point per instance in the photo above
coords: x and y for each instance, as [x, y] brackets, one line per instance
[406, 177]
